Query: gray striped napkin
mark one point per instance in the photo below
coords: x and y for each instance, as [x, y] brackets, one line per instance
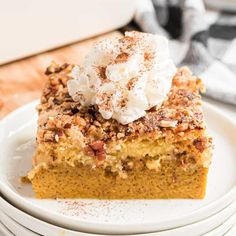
[203, 40]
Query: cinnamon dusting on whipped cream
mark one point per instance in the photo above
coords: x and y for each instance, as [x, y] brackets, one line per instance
[124, 77]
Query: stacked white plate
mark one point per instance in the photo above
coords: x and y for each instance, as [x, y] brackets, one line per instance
[22, 214]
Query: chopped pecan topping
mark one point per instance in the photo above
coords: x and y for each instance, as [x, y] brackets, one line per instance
[120, 135]
[97, 123]
[182, 127]
[67, 126]
[179, 112]
[89, 151]
[60, 133]
[55, 68]
[56, 101]
[168, 123]
[200, 143]
[80, 121]
[98, 148]
[48, 136]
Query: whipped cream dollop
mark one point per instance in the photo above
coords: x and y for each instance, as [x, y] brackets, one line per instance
[124, 77]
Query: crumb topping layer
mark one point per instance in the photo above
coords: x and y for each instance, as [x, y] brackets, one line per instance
[60, 116]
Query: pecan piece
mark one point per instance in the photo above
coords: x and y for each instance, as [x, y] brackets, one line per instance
[99, 149]
[53, 68]
[200, 143]
[89, 151]
[67, 126]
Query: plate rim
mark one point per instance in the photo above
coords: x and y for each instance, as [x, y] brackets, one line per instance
[212, 208]
[11, 223]
[5, 205]
[4, 229]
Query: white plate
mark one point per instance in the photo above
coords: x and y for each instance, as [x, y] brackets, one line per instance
[130, 216]
[34, 224]
[4, 230]
[232, 230]
[14, 227]
[225, 228]
[44, 228]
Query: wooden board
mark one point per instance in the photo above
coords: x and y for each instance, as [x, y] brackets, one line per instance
[22, 81]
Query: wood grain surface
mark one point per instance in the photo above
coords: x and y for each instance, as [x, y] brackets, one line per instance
[22, 81]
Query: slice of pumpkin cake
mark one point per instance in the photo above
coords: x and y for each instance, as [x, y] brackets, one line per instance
[126, 125]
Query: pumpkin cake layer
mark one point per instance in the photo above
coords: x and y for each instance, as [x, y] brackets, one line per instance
[165, 154]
